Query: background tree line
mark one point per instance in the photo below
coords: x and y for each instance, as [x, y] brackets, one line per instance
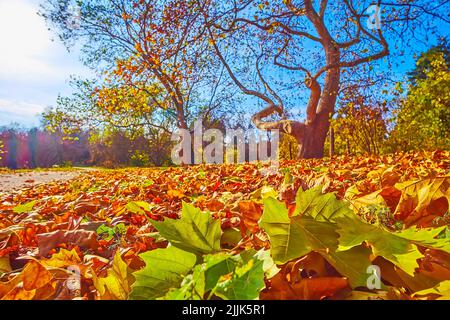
[162, 65]
[41, 148]
[416, 116]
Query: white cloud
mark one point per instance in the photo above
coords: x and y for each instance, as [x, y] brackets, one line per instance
[23, 39]
[20, 108]
[33, 68]
[21, 112]
[27, 51]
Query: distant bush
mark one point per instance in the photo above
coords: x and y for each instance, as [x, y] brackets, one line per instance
[108, 164]
[37, 148]
[1, 149]
[140, 159]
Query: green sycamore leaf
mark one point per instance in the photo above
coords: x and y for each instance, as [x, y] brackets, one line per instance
[148, 183]
[204, 278]
[216, 266]
[295, 237]
[165, 269]
[138, 207]
[192, 287]
[226, 276]
[400, 251]
[106, 232]
[196, 231]
[263, 193]
[230, 238]
[398, 247]
[24, 208]
[442, 290]
[244, 283]
[322, 207]
[219, 265]
[291, 239]
[352, 264]
[267, 192]
[427, 237]
[269, 266]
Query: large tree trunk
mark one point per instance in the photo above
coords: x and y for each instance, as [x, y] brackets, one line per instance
[311, 136]
[332, 143]
[316, 132]
[315, 137]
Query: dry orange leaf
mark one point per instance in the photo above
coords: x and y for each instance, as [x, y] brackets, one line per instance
[251, 213]
[305, 289]
[25, 285]
[81, 238]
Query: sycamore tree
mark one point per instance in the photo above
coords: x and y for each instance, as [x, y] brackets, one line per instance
[270, 49]
[119, 121]
[154, 51]
[91, 108]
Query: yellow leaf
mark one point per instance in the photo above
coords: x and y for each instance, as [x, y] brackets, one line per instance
[63, 259]
[19, 293]
[116, 285]
[424, 198]
[138, 47]
[24, 286]
[442, 290]
[175, 194]
[4, 264]
[35, 276]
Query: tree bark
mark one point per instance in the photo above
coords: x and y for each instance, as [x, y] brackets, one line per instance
[332, 142]
[317, 132]
[311, 136]
[315, 136]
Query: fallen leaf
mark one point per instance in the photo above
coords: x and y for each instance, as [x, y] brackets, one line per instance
[305, 289]
[116, 285]
[25, 285]
[251, 213]
[81, 238]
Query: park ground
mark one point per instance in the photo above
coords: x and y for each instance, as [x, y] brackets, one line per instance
[11, 181]
[113, 224]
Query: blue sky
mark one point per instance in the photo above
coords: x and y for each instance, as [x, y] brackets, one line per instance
[33, 69]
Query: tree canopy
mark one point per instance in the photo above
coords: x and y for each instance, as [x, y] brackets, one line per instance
[423, 117]
[190, 58]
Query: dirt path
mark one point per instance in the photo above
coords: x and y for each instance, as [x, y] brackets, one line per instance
[16, 181]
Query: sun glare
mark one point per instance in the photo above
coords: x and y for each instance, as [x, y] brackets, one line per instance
[23, 35]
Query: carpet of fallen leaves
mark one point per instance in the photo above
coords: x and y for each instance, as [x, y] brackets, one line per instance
[84, 238]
